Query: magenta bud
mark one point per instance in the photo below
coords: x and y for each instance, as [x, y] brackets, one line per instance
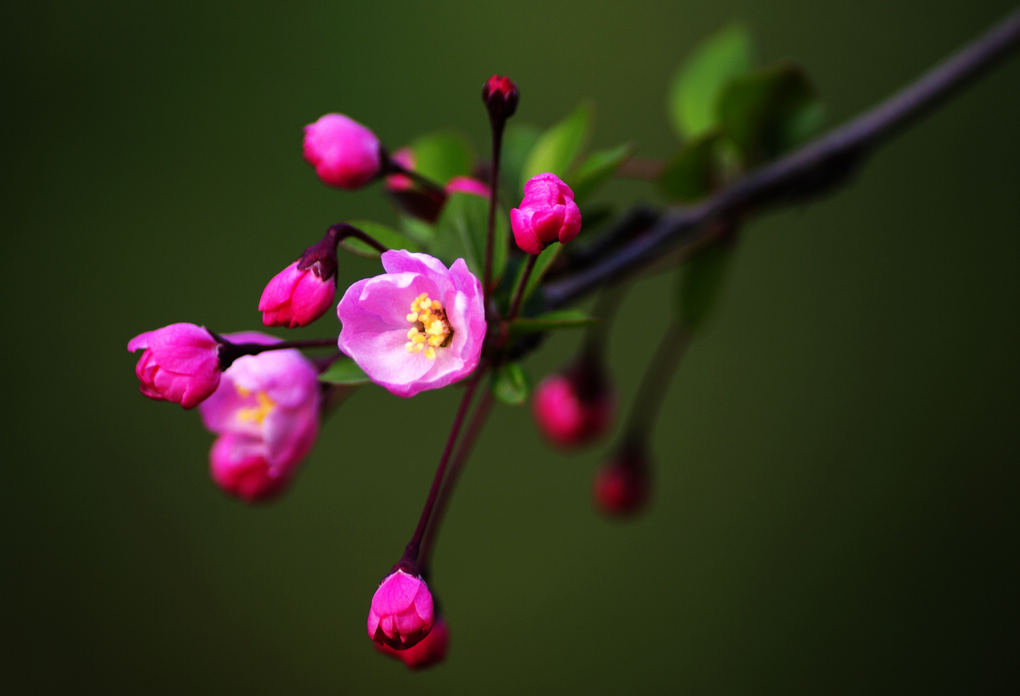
[240, 468]
[429, 651]
[622, 486]
[573, 409]
[344, 153]
[401, 613]
[500, 97]
[180, 363]
[296, 297]
[398, 182]
[547, 214]
[465, 184]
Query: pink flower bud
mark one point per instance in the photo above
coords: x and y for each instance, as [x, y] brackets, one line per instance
[465, 184]
[429, 651]
[238, 465]
[575, 408]
[344, 153]
[547, 214]
[181, 363]
[500, 97]
[401, 182]
[296, 297]
[622, 487]
[401, 613]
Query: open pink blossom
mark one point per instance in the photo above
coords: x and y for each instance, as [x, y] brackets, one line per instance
[344, 153]
[429, 651]
[180, 363]
[547, 214]
[266, 413]
[418, 326]
[296, 297]
[401, 613]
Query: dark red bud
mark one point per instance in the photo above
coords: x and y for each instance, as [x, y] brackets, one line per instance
[500, 97]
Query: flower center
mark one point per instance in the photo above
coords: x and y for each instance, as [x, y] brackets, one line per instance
[257, 413]
[431, 330]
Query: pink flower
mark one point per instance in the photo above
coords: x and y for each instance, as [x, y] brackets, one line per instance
[266, 413]
[547, 214]
[181, 363]
[570, 412]
[622, 486]
[401, 182]
[344, 153]
[465, 184]
[296, 297]
[429, 651]
[418, 326]
[401, 613]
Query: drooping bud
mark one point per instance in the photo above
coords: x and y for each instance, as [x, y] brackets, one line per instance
[622, 486]
[429, 651]
[304, 290]
[547, 214]
[239, 466]
[180, 363]
[344, 153]
[500, 97]
[575, 407]
[401, 613]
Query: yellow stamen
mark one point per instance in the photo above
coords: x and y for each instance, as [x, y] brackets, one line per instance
[258, 412]
[430, 328]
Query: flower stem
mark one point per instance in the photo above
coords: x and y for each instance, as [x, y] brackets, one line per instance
[229, 352]
[515, 306]
[654, 383]
[474, 428]
[342, 231]
[497, 146]
[412, 551]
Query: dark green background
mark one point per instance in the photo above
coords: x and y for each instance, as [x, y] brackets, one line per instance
[837, 499]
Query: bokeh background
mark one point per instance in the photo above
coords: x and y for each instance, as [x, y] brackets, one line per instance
[837, 489]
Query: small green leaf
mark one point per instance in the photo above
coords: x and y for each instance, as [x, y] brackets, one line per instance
[386, 236]
[693, 172]
[701, 282]
[344, 371]
[559, 146]
[417, 229]
[461, 233]
[769, 111]
[697, 84]
[596, 169]
[442, 156]
[560, 319]
[510, 384]
[518, 140]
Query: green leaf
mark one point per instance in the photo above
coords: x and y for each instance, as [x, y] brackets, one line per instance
[559, 146]
[510, 384]
[596, 169]
[693, 172]
[442, 156]
[386, 236]
[420, 231]
[344, 371]
[701, 282]
[518, 140]
[560, 319]
[769, 111]
[461, 233]
[699, 81]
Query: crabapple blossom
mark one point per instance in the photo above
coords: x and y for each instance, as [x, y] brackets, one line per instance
[418, 326]
[547, 214]
[429, 651]
[296, 297]
[344, 153]
[570, 411]
[180, 363]
[401, 613]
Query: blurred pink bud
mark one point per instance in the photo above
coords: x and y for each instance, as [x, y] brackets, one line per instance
[344, 153]
[622, 486]
[296, 297]
[573, 409]
[418, 326]
[238, 465]
[180, 364]
[401, 182]
[429, 651]
[401, 613]
[547, 214]
[266, 413]
[465, 184]
[500, 97]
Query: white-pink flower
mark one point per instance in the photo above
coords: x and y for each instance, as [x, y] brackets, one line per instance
[418, 326]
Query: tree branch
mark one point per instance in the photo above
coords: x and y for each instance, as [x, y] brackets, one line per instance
[808, 172]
